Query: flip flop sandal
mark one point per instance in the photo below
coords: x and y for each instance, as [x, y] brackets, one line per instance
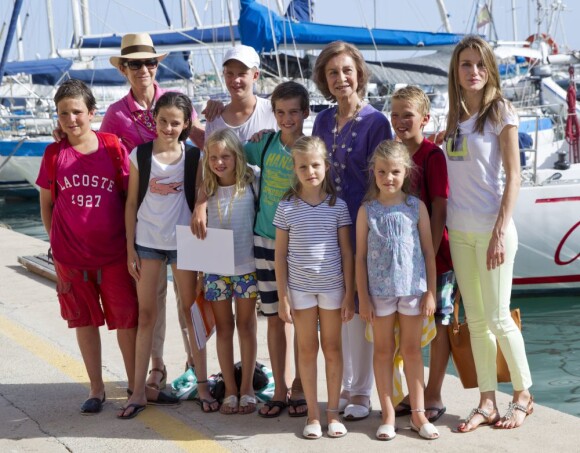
[295, 404]
[245, 401]
[163, 399]
[405, 409]
[272, 404]
[137, 408]
[231, 403]
[93, 406]
[438, 413]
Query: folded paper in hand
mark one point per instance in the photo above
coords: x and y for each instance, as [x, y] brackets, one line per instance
[203, 320]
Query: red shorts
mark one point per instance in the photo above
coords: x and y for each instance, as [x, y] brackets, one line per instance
[88, 298]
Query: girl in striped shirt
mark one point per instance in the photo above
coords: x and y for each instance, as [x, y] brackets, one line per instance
[231, 197]
[315, 275]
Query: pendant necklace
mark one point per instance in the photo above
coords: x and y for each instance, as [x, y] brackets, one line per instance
[345, 134]
[228, 210]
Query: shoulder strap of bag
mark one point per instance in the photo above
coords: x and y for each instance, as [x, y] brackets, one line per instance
[262, 157]
[144, 152]
[50, 156]
[115, 152]
[192, 154]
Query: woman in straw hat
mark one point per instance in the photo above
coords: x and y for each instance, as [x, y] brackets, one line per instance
[131, 119]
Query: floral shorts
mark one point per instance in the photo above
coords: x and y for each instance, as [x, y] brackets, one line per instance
[220, 287]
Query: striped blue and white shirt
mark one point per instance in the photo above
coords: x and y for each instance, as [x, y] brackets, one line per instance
[314, 259]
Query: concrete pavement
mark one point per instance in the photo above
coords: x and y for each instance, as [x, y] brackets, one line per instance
[43, 383]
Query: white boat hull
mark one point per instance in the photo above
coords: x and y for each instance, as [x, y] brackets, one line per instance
[547, 219]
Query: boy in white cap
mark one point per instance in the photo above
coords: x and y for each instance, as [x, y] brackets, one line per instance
[247, 113]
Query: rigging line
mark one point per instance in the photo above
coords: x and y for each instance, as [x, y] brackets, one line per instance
[372, 37]
[180, 32]
[295, 47]
[274, 40]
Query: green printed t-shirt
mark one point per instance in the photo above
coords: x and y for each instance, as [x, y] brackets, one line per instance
[276, 177]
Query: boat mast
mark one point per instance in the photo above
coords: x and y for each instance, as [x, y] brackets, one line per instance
[76, 23]
[514, 22]
[444, 15]
[85, 16]
[19, 31]
[50, 20]
[10, 36]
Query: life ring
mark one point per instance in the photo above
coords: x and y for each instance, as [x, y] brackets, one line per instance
[552, 45]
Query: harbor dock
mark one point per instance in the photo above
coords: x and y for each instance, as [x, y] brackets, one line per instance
[43, 383]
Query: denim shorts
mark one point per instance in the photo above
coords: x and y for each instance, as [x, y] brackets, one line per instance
[147, 253]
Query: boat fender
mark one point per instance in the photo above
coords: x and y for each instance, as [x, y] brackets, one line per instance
[544, 37]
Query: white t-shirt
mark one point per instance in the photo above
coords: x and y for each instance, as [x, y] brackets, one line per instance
[314, 258]
[227, 211]
[261, 118]
[164, 205]
[474, 169]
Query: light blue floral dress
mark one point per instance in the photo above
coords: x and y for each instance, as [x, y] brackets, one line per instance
[395, 262]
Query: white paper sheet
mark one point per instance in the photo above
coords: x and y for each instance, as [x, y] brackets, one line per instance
[213, 255]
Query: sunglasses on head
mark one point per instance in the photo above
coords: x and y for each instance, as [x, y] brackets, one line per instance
[137, 64]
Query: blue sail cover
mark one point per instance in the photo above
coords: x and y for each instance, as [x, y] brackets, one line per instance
[193, 36]
[300, 10]
[255, 30]
[52, 71]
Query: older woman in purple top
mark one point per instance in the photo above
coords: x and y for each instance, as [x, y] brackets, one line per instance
[351, 131]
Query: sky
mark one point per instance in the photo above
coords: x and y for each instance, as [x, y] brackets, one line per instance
[122, 16]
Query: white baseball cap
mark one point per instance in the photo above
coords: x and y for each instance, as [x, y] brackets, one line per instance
[244, 54]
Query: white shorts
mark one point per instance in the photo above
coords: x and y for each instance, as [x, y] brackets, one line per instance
[300, 300]
[406, 305]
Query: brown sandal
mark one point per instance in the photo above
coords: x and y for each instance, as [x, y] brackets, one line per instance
[488, 419]
[163, 382]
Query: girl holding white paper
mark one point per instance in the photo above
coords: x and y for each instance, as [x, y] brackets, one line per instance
[230, 185]
[156, 203]
[315, 275]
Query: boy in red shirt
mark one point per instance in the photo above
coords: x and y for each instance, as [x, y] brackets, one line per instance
[82, 208]
[409, 114]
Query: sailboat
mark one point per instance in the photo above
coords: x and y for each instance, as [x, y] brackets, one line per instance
[546, 215]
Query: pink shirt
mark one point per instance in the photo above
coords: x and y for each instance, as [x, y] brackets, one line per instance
[128, 121]
[88, 227]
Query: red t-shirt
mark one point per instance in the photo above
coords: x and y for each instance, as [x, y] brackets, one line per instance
[88, 225]
[433, 184]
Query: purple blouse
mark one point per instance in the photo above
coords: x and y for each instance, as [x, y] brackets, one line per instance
[350, 152]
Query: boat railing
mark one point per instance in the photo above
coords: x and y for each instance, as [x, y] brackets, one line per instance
[531, 152]
[26, 124]
[530, 171]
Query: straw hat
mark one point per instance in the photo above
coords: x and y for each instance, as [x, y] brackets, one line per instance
[136, 46]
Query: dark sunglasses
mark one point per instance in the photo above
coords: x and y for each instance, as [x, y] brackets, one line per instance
[137, 64]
